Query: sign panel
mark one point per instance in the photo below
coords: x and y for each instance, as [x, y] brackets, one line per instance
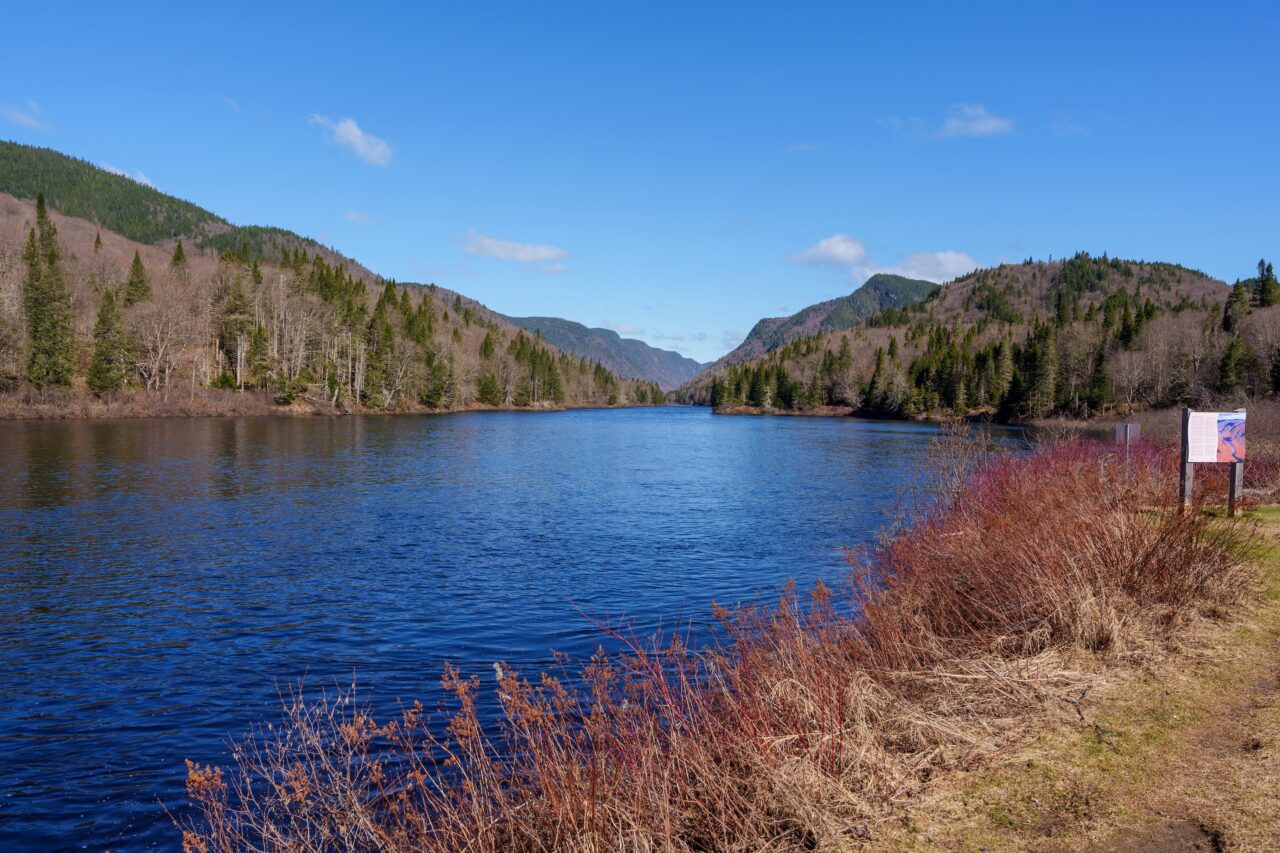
[1215, 437]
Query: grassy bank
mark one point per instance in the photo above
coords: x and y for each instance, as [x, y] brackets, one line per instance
[1033, 584]
[1182, 753]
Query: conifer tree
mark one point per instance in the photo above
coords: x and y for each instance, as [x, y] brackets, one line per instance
[47, 305]
[1100, 382]
[487, 346]
[179, 259]
[1268, 286]
[97, 242]
[259, 358]
[137, 287]
[109, 369]
[235, 326]
[1229, 368]
[1236, 307]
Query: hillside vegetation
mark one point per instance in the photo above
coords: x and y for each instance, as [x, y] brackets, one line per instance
[1023, 341]
[139, 212]
[94, 323]
[880, 292]
[626, 357]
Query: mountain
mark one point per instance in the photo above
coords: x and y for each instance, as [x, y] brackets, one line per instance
[881, 291]
[138, 302]
[1069, 337]
[79, 189]
[626, 357]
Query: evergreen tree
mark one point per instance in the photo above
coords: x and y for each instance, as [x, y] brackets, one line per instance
[137, 287]
[1099, 395]
[109, 369]
[381, 348]
[47, 305]
[488, 389]
[97, 242]
[259, 358]
[487, 346]
[1236, 307]
[1268, 286]
[179, 259]
[1230, 368]
[235, 325]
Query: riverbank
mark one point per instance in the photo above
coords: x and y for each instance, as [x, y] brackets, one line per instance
[1177, 754]
[1035, 582]
[59, 404]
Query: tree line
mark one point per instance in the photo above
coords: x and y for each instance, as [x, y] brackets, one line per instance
[297, 326]
[1106, 337]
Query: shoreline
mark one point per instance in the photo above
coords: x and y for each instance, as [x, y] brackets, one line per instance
[231, 404]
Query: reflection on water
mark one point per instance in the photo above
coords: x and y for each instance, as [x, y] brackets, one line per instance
[159, 578]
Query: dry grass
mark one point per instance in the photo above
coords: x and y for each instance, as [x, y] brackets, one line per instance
[808, 722]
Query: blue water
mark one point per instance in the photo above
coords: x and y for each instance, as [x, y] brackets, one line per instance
[160, 579]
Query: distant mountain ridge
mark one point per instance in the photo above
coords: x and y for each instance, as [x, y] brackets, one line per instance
[627, 357]
[881, 291]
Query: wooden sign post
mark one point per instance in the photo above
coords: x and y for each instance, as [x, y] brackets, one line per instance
[1212, 437]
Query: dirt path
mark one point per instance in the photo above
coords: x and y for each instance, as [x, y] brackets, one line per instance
[1186, 757]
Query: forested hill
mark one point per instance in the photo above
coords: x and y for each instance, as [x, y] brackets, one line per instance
[627, 357]
[1073, 337]
[881, 291]
[186, 324]
[141, 213]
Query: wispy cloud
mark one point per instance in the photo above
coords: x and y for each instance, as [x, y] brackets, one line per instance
[973, 120]
[1063, 125]
[678, 337]
[359, 217]
[731, 338]
[624, 328]
[230, 104]
[30, 116]
[520, 253]
[137, 177]
[843, 251]
[347, 133]
[806, 147]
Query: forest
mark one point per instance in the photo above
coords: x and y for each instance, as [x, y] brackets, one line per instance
[1073, 338]
[76, 318]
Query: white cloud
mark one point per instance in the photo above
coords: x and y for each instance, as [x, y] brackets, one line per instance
[806, 147]
[841, 250]
[137, 177]
[837, 250]
[358, 216]
[731, 338]
[930, 266]
[31, 116]
[347, 133]
[509, 250]
[624, 328]
[973, 120]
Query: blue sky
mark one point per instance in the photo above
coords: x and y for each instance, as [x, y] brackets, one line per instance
[678, 171]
